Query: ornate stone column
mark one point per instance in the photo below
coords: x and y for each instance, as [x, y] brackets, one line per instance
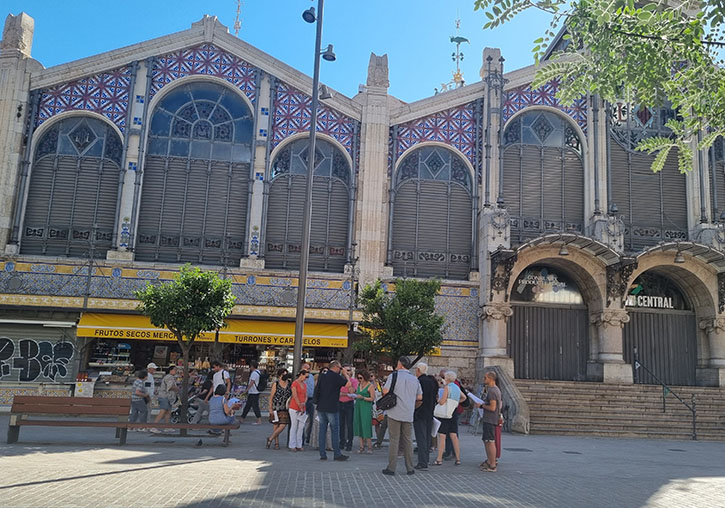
[17, 118]
[372, 187]
[608, 325]
[714, 374]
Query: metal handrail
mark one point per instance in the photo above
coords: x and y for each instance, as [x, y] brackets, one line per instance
[665, 390]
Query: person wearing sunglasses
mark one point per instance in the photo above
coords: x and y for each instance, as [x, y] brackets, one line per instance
[362, 420]
[298, 415]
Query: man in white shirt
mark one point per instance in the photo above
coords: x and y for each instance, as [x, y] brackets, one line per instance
[150, 384]
[400, 417]
[221, 377]
[253, 394]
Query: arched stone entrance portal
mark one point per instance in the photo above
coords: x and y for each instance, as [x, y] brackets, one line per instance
[548, 333]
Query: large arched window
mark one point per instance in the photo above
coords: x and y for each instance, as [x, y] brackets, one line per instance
[543, 175]
[432, 205]
[73, 191]
[330, 208]
[654, 205]
[195, 181]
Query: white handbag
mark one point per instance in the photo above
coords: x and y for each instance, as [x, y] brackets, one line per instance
[445, 411]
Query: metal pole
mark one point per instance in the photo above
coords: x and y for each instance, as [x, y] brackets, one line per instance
[307, 220]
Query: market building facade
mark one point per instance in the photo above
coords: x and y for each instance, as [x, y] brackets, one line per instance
[559, 251]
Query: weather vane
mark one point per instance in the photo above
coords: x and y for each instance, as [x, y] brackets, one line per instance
[456, 56]
[238, 21]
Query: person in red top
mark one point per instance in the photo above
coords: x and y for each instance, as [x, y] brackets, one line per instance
[347, 410]
[297, 413]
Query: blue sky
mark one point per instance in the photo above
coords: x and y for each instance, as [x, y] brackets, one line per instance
[414, 34]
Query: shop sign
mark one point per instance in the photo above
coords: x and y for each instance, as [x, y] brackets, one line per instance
[237, 331]
[650, 302]
[35, 360]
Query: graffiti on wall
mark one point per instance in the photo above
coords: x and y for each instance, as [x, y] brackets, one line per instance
[35, 360]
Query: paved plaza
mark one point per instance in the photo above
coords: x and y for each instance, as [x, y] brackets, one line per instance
[80, 468]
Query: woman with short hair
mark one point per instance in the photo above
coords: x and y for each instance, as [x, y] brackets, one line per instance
[362, 422]
[449, 426]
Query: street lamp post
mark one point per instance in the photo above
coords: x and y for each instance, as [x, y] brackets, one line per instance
[310, 17]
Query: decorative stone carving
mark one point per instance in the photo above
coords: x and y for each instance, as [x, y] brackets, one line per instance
[502, 264]
[496, 311]
[613, 318]
[18, 33]
[378, 71]
[496, 225]
[610, 231]
[618, 276]
[721, 292]
[712, 325]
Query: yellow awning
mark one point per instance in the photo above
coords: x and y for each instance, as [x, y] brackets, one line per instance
[237, 331]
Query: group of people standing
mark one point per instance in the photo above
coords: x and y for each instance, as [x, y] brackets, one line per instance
[344, 403]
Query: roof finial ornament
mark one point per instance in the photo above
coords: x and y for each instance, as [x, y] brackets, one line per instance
[238, 20]
[456, 56]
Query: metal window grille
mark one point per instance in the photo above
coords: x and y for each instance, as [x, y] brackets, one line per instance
[195, 178]
[330, 228]
[543, 176]
[654, 205]
[432, 220]
[71, 204]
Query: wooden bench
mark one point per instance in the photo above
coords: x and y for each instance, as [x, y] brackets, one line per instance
[83, 409]
[75, 411]
[187, 426]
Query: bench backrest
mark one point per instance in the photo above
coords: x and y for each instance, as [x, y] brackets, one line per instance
[76, 406]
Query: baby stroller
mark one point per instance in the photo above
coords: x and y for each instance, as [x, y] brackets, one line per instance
[190, 414]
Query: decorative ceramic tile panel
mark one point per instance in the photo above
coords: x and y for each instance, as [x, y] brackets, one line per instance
[461, 314]
[45, 279]
[523, 97]
[292, 114]
[207, 60]
[455, 127]
[106, 94]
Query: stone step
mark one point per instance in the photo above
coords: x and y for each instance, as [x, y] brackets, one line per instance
[701, 436]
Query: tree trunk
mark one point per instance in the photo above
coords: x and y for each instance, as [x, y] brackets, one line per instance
[216, 350]
[183, 418]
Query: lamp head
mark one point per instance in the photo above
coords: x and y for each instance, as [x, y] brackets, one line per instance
[329, 54]
[309, 15]
[679, 258]
[563, 251]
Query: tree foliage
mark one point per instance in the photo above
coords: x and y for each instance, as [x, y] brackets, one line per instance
[654, 54]
[193, 303]
[400, 323]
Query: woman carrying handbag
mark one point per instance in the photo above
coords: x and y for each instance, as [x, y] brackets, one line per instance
[447, 404]
[278, 410]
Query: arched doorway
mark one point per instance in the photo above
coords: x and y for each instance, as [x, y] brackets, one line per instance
[663, 328]
[548, 334]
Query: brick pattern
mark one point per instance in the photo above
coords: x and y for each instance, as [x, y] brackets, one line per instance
[293, 114]
[106, 93]
[204, 60]
[523, 97]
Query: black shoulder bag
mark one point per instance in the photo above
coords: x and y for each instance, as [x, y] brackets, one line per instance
[389, 400]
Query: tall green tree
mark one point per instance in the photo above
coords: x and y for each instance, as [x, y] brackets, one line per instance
[403, 322]
[193, 303]
[649, 53]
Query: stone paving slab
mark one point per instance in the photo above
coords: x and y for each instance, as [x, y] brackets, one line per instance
[78, 468]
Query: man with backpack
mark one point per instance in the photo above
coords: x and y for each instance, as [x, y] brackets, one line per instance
[257, 384]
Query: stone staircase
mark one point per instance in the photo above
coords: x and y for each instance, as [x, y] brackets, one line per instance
[597, 409]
